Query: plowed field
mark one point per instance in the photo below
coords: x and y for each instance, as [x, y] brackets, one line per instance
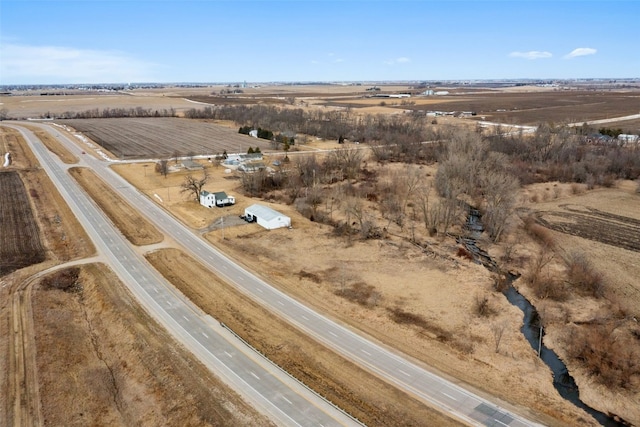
[164, 137]
[593, 224]
[20, 243]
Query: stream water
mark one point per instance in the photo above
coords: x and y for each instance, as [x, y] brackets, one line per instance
[562, 380]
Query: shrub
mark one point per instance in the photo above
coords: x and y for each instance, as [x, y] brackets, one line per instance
[609, 358]
[542, 234]
[583, 277]
[482, 307]
[65, 280]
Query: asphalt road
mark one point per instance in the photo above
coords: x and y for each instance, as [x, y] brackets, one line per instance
[269, 389]
[398, 370]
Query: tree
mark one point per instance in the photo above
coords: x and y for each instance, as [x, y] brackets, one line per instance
[193, 186]
[162, 167]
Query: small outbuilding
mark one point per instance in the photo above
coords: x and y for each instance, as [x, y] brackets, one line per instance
[266, 217]
[218, 199]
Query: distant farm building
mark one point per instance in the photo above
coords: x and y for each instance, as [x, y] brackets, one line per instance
[190, 165]
[628, 138]
[266, 217]
[218, 199]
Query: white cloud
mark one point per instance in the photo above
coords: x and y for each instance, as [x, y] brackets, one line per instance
[581, 51]
[57, 64]
[532, 54]
[401, 60]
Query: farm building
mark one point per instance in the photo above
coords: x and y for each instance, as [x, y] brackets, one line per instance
[628, 138]
[190, 165]
[218, 199]
[266, 217]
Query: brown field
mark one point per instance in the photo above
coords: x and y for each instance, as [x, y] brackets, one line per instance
[128, 220]
[163, 137]
[108, 363]
[521, 108]
[343, 383]
[20, 245]
[22, 106]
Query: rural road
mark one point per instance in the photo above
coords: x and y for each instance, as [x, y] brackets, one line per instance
[270, 390]
[402, 372]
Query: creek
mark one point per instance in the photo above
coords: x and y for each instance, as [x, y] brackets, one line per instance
[562, 380]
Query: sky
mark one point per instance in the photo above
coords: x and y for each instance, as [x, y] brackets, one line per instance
[203, 41]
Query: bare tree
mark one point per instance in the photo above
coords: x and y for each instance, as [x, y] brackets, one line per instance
[498, 329]
[500, 191]
[193, 186]
[162, 167]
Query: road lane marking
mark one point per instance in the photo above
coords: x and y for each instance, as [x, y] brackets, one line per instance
[280, 302]
[291, 403]
[228, 354]
[260, 290]
[253, 373]
[401, 371]
[156, 289]
[185, 317]
[498, 421]
[333, 334]
[450, 397]
[305, 317]
[223, 266]
[365, 352]
[205, 335]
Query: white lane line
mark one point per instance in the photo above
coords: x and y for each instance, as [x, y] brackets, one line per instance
[333, 334]
[205, 335]
[156, 289]
[228, 354]
[291, 403]
[260, 290]
[253, 373]
[498, 421]
[241, 278]
[224, 267]
[403, 372]
[449, 396]
[365, 352]
[304, 317]
[280, 302]
[185, 317]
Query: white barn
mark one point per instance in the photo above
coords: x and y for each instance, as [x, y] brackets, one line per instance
[266, 217]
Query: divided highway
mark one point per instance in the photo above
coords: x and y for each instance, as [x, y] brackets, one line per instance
[406, 375]
[270, 390]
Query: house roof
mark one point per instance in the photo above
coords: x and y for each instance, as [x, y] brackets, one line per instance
[220, 195]
[264, 212]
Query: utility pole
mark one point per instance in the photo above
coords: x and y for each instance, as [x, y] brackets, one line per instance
[540, 342]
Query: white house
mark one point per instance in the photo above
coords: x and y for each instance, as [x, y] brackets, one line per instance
[218, 199]
[266, 217]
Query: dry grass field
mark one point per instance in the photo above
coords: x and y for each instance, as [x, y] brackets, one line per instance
[108, 363]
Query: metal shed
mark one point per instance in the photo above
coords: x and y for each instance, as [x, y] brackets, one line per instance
[266, 217]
